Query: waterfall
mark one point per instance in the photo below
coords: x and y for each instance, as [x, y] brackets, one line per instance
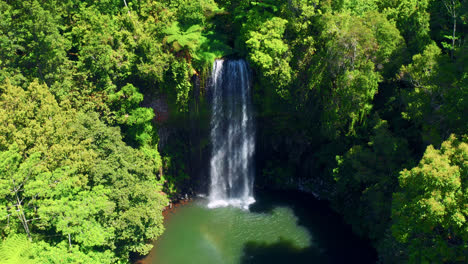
[232, 136]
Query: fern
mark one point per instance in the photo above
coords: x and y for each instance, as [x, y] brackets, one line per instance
[213, 46]
[265, 5]
[16, 249]
[203, 47]
[189, 39]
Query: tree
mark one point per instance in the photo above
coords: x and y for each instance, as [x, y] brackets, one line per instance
[453, 8]
[31, 40]
[194, 12]
[429, 212]
[269, 53]
[360, 7]
[436, 96]
[136, 120]
[70, 179]
[185, 41]
[351, 48]
[412, 19]
[16, 174]
[366, 177]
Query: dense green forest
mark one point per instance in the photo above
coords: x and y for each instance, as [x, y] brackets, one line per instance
[361, 102]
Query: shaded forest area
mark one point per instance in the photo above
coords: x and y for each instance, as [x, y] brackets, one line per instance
[362, 102]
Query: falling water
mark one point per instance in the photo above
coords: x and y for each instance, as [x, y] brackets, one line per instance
[232, 136]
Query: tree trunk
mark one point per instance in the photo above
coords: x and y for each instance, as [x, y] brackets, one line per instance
[21, 216]
[454, 31]
[125, 2]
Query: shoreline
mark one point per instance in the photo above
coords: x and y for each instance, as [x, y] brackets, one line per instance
[167, 213]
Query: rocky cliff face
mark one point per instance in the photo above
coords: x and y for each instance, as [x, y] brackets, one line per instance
[183, 140]
[284, 159]
[289, 161]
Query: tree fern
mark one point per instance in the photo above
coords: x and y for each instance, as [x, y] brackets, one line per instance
[203, 47]
[180, 39]
[16, 249]
[213, 46]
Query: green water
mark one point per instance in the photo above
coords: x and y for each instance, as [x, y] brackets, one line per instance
[277, 229]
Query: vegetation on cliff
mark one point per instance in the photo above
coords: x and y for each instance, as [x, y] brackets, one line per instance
[361, 102]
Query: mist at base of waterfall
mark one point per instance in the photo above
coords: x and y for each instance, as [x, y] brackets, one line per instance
[243, 203]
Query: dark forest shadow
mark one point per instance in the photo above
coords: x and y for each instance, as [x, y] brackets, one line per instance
[332, 240]
[282, 251]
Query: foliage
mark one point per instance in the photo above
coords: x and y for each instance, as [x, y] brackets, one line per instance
[347, 94]
[438, 97]
[360, 7]
[184, 40]
[269, 53]
[137, 119]
[194, 12]
[352, 48]
[412, 19]
[32, 41]
[194, 43]
[430, 210]
[366, 178]
[71, 176]
[358, 80]
[16, 249]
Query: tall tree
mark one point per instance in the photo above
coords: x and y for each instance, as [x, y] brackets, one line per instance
[430, 213]
[69, 178]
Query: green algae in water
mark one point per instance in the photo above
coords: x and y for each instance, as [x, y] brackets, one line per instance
[196, 234]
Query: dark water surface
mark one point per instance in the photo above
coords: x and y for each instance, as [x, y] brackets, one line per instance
[281, 227]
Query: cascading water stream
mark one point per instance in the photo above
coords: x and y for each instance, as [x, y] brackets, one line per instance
[232, 136]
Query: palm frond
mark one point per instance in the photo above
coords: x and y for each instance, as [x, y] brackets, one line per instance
[16, 249]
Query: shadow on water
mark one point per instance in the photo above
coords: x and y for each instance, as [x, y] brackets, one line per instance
[332, 240]
[283, 251]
